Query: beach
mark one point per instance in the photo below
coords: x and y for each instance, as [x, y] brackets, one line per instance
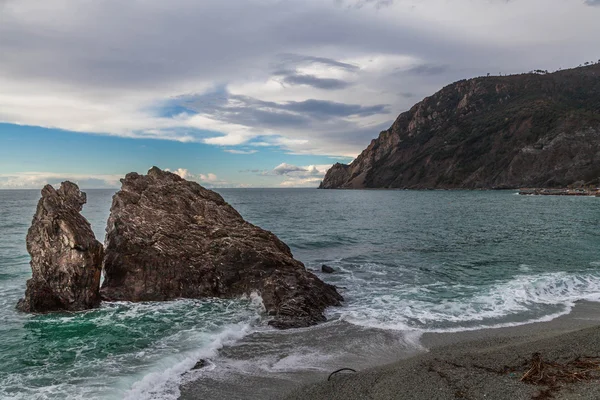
[484, 364]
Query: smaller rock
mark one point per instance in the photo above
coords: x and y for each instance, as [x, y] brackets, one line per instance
[66, 258]
[327, 269]
[200, 364]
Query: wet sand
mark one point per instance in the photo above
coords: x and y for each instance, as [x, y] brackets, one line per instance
[268, 365]
[464, 365]
[485, 364]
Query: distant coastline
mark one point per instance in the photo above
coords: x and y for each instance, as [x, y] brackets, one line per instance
[522, 191]
[559, 192]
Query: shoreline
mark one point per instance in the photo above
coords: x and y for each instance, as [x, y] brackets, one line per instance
[398, 372]
[487, 363]
[559, 192]
[520, 191]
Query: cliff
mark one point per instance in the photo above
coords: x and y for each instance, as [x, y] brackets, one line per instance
[529, 130]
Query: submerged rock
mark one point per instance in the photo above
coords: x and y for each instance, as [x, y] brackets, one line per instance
[327, 269]
[200, 364]
[169, 238]
[66, 258]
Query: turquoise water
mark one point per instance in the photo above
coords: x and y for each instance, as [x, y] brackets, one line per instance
[408, 262]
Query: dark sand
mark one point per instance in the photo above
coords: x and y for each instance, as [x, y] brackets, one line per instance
[486, 364]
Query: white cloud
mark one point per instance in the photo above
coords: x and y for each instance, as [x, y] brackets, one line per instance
[212, 178]
[182, 172]
[37, 180]
[234, 151]
[208, 179]
[285, 169]
[229, 139]
[299, 176]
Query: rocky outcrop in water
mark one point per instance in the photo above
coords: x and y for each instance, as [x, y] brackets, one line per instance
[169, 238]
[327, 269]
[529, 130]
[66, 258]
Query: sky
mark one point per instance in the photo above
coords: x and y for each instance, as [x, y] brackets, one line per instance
[247, 93]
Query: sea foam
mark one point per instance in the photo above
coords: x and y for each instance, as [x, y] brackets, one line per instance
[164, 381]
[521, 300]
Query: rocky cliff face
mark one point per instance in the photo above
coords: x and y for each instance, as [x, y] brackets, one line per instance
[66, 259]
[170, 238]
[525, 130]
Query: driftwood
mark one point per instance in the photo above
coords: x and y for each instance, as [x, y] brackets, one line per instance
[339, 370]
[553, 375]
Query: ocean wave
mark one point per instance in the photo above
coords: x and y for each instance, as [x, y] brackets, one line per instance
[163, 382]
[524, 299]
[122, 350]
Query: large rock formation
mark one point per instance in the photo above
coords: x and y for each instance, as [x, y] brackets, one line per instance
[170, 238]
[530, 130]
[66, 259]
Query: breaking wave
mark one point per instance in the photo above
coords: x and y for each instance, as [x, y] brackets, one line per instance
[523, 299]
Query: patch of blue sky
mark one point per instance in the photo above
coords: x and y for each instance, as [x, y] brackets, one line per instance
[29, 149]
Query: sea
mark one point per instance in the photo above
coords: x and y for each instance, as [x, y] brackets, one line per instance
[407, 263]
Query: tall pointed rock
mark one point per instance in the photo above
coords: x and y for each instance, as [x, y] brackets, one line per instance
[66, 258]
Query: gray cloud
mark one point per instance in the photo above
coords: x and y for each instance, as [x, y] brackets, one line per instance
[250, 111]
[288, 64]
[257, 117]
[320, 83]
[297, 59]
[103, 66]
[97, 46]
[426, 69]
[324, 109]
[378, 4]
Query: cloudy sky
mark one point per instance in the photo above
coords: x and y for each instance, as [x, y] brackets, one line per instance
[235, 93]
